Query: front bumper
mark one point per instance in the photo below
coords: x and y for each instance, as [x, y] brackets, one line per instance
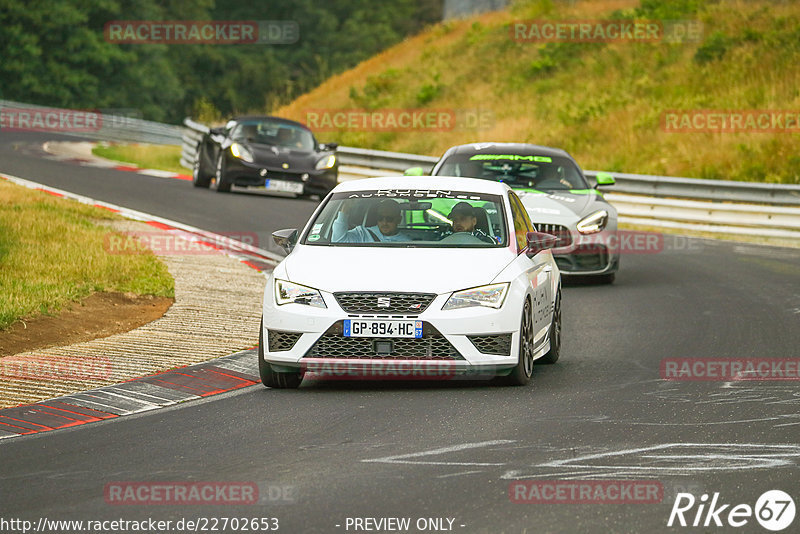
[465, 341]
[244, 174]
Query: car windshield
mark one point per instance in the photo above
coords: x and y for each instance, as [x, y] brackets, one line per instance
[271, 132]
[543, 173]
[410, 218]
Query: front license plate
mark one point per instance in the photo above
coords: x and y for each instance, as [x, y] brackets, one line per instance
[283, 186]
[372, 328]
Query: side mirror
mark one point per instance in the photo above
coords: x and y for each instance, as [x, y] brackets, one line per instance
[328, 146]
[286, 239]
[539, 241]
[414, 171]
[603, 178]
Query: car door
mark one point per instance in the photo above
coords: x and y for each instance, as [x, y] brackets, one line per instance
[538, 268]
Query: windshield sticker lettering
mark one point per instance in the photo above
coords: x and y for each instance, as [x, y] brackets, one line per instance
[314, 237]
[414, 193]
[511, 157]
[317, 228]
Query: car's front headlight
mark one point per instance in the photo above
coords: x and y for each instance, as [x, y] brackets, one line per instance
[241, 152]
[288, 292]
[593, 223]
[326, 163]
[491, 296]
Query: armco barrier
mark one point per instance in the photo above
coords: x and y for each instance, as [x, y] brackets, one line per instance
[118, 127]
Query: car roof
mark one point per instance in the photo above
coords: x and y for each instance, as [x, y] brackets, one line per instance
[269, 117]
[448, 183]
[525, 149]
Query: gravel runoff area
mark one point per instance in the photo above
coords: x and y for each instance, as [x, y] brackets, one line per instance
[216, 312]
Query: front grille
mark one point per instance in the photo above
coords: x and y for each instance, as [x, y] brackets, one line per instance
[279, 341]
[590, 257]
[431, 346]
[385, 303]
[494, 344]
[562, 233]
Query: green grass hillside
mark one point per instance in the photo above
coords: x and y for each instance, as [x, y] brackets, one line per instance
[603, 102]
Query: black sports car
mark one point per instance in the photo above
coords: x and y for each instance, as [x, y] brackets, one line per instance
[269, 153]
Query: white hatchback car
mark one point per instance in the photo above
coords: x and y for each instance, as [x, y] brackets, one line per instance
[412, 277]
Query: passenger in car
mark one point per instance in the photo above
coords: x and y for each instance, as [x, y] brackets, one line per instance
[386, 229]
[465, 219]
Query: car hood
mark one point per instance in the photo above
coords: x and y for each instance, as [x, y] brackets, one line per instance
[275, 157]
[426, 270]
[560, 207]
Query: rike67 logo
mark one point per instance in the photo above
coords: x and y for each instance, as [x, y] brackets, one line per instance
[774, 510]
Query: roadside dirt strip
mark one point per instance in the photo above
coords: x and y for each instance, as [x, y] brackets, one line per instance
[218, 288]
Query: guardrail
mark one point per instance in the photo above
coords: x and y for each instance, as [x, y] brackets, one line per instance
[192, 135]
[720, 206]
[697, 188]
[120, 126]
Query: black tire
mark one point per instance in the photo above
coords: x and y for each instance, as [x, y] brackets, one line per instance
[554, 334]
[269, 377]
[221, 184]
[199, 178]
[521, 374]
[606, 278]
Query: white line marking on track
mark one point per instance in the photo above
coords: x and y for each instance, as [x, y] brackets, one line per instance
[402, 458]
[680, 460]
[459, 474]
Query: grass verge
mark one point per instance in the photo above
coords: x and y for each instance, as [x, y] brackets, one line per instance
[161, 157]
[52, 253]
[602, 102]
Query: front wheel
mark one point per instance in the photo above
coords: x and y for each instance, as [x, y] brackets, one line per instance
[199, 178]
[555, 333]
[521, 374]
[221, 185]
[269, 377]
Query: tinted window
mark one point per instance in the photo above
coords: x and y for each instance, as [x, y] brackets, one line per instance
[272, 132]
[545, 173]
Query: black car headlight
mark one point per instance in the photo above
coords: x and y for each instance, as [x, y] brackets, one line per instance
[326, 163]
[242, 152]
